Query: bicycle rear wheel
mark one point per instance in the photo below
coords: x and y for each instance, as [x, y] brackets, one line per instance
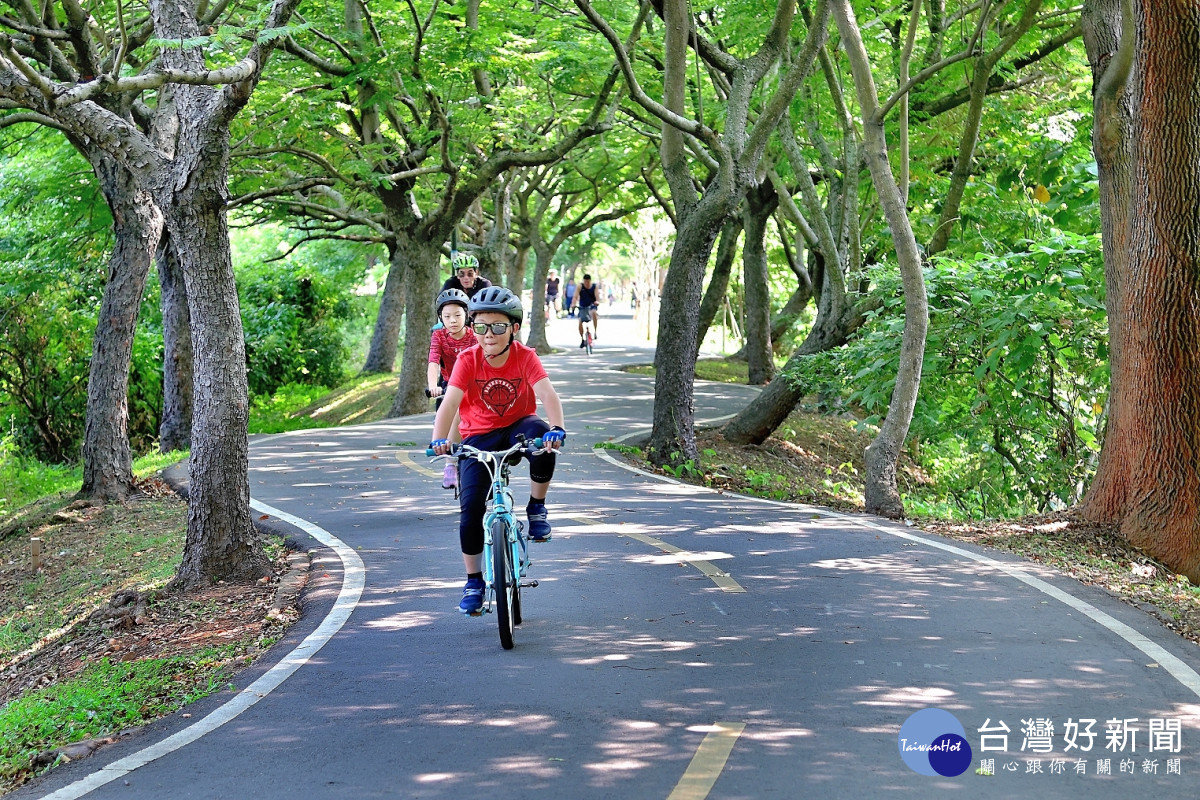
[503, 584]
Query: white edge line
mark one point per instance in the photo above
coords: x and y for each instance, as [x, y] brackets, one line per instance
[1178, 668]
[352, 586]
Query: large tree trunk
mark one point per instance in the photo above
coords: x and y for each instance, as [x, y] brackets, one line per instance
[1158, 379]
[718, 284]
[760, 205]
[1112, 143]
[175, 432]
[673, 439]
[381, 356]
[221, 543]
[137, 223]
[422, 258]
[882, 495]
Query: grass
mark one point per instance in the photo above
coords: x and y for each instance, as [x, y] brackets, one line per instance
[90, 554]
[104, 698]
[365, 398]
[708, 369]
[67, 675]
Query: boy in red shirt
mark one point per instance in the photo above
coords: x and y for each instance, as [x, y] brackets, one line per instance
[495, 389]
[445, 344]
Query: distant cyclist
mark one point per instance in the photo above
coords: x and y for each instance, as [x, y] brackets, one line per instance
[466, 277]
[585, 300]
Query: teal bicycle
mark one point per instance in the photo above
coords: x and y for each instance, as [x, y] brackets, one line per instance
[505, 548]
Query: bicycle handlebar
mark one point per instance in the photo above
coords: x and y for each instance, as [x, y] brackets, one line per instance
[528, 447]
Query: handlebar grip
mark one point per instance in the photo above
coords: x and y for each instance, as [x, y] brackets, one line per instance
[429, 452]
[428, 393]
[538, 444]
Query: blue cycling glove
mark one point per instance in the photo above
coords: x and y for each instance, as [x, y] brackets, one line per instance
[555, 434]
[436, 443]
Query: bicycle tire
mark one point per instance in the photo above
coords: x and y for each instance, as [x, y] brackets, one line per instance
[589, 342]
[502, 583]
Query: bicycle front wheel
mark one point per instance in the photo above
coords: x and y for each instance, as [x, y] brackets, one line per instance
[503, 583]
[589, 342]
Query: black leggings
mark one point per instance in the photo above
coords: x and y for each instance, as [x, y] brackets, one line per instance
[474, 485]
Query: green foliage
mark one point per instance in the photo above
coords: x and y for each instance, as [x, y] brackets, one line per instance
[1014, 380]
[275, 413]
[293, 331]
[105, 698]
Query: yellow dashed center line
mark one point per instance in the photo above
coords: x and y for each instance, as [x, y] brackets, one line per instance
[714, 573]
[417, 463]
[706, 766]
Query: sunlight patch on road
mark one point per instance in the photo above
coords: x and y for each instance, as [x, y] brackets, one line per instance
[402, 621]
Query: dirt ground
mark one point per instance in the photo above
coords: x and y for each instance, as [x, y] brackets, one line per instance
[100, 595]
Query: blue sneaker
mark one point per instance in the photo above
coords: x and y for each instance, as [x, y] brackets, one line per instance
[539, 526]
[472, 599]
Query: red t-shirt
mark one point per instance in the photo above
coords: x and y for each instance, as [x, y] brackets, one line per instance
[445, 349]
[496, 397]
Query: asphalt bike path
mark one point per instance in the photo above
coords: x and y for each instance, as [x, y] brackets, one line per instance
[681, 643]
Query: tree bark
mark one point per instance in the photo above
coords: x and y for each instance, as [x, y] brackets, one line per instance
[718, 284]
[1112, 143]
[175, 431]
[543, 257]
[381, 355]
[1159, 376]
[757, 210]
[137, 224]
[673, 439]
[882, 495]
[422, 257]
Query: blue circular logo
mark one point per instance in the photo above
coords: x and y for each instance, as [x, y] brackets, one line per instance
[933, 742]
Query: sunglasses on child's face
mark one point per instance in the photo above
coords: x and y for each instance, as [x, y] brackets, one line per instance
[498, 328]
[466, 273]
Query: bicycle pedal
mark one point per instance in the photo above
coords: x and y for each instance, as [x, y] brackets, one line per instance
[529, 585]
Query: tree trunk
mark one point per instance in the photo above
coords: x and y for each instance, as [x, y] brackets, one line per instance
[837, 318]
[175, 432]
[673, 439]
[1159, 376]
[718, 284]
[789, 314]
[536, 324]
[137, 223]
[221, 543]
[882, 494]
[422, 258]
[1112, 144]
[381, 356]
[760, 205]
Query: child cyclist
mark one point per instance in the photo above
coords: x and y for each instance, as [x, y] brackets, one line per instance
[495, 389]
[445, 343]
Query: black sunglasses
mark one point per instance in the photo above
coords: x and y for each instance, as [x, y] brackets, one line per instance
[498, 328]
[464, 273]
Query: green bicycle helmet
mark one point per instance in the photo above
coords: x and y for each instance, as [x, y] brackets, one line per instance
[497, 298]
[455, 296]
[464, 261]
